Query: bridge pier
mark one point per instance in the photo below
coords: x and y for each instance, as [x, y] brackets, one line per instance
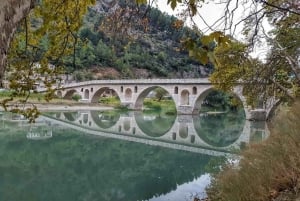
[257, 115]
[186, 109]
[129, 105]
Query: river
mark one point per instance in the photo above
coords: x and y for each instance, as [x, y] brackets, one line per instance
[124, 156]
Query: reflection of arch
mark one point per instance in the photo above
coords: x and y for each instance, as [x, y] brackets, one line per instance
[143, 95]
[71, 116]
[59, 94]
[57, 115]
[105, 119]
[98, 94]
[184, 98]
[128, 94]
[126, 124]
[86, 94]
[220, 130]
[183, 130]
[154, 124]
[69, 94]
[85, 118]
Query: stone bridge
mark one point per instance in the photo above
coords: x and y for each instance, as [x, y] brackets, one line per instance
[187, 94]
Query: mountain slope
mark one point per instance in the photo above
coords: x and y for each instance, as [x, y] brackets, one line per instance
[119, 40]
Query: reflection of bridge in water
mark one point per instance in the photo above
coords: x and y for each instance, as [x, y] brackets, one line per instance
[182, 134]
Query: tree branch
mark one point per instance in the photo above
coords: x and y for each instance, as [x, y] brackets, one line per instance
[279, 8]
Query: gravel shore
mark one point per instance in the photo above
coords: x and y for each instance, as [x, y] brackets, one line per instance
[66, 107]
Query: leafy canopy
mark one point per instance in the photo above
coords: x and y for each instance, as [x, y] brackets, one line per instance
[45, 35]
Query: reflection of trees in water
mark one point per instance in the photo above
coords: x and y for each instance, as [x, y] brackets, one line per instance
[105, 119]
[91, 168]
[154, 123]
[220, 130]
[71, 116]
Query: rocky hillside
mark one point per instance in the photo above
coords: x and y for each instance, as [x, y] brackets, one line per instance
[120, 40]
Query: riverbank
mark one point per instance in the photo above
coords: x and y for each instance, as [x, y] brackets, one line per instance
[268, 171]
[66, 106]
[47, 107]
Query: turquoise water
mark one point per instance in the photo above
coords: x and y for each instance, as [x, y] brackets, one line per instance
[106, 155]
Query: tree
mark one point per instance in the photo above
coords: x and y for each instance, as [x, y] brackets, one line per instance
[29, 50]
[279, 74]
[11, 13]
[160, 93]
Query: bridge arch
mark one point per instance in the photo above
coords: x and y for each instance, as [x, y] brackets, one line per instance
[70, 93]
[99, 92]
[86, 94]
[143, 94]
[204, 94]
[128, 94]
[194, 90]
[185, 97]
[59, 94]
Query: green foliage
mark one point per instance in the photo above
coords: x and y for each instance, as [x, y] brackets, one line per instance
[151, 105]
[43, 38]
[219, 100]
[201, 47]
[76, 97]
[114, 101]
[160, 93]
[278, 75]
[148, 50]
[80, 76]
[166, 106]
[121, 107]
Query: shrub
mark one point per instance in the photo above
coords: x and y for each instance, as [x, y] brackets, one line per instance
[121, 107]
[76, 97]
[267, 171]
[109, 100]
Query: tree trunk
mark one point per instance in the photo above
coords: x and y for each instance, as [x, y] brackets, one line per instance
[11, 13]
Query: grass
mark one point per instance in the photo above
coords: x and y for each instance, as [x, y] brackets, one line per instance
[35, 98]
[111, 101]
[266, 171]
[167, 106]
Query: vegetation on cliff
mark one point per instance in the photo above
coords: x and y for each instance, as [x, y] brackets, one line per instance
[149, 50]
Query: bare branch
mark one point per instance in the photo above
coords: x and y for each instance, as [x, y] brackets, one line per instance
[279, 8]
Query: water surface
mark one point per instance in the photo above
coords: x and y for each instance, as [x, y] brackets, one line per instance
[106, 155]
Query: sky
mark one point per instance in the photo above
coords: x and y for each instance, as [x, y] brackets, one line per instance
[211, 12]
